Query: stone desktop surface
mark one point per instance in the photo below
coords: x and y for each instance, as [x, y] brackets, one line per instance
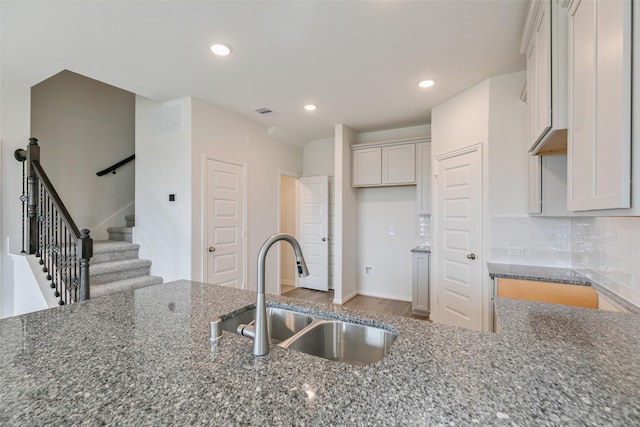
[143, 357]
[537, 273]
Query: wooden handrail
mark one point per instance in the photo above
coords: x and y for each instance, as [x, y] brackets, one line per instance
[55, 198]
[116, 166]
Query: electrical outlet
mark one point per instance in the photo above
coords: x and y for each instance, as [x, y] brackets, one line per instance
[516, 251]
[368, 270]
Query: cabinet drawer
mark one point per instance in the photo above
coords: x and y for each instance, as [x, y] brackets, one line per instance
[552, 293]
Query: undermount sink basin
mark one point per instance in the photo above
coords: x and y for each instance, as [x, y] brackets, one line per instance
[344, 342]
[331, 339]
[282, 324]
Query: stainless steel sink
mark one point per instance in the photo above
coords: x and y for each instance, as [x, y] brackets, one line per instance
[282, 324]
[344, 342]
[320, 336]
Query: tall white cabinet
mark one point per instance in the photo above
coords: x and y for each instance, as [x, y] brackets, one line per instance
[423, 178]
[421, 293]
[599, 140]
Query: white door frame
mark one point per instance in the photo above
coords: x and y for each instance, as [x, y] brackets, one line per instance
[206, 157]
[487, 311]
[284, 172]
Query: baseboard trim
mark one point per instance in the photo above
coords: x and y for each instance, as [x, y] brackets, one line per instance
[342, 301]
[383, 295]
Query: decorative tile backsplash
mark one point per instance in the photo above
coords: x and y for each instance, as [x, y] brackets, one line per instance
[606, 249]
[531, 241]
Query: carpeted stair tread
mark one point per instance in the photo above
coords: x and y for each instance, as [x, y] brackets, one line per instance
[113, 250]
[124, 285]
[121, 230]
[102, 246]
[110, 267]
[120, 233]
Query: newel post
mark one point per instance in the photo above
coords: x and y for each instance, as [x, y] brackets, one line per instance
[85, 248]
[33, 155]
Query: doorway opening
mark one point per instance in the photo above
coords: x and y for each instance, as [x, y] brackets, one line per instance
[288, 224]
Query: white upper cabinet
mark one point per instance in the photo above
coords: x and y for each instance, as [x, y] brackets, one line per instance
[599, 139]
[544, 42]
[399, 164]
[366, 167]
[384, 164]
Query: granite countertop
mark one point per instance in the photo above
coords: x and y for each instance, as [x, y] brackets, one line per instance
[537, 273]
[144, 357]
[422, 249]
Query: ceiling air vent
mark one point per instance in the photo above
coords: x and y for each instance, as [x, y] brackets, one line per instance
[264, 111]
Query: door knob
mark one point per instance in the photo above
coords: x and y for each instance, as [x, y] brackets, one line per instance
[471, 256]
[324, 239]
[212, 249]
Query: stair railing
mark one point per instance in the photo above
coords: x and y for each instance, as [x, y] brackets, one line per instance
[113, 168]
[49, 232]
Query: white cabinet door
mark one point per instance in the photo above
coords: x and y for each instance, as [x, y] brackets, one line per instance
[535, 185]
[544, 42]
[599, 146]
[399, 164]
[423, 178]
[366, 167]
[548, 185]
[539, 74]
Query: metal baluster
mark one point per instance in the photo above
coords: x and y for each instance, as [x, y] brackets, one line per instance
[63, 253]
[40, 220]
[59, 261]
[53, 261]
[49, 243]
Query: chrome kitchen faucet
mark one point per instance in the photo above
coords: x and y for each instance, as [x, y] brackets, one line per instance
[261, 338]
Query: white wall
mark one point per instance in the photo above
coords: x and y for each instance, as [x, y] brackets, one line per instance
[508, 154]
[84, 126]
[489, 113]
[163, 167]
[388, 251]
[223, 134]
[346, 207]
[410, 132]
[318, 158]
[461, 121]
[15, 115]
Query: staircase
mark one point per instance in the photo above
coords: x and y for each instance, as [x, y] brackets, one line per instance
[115, 266]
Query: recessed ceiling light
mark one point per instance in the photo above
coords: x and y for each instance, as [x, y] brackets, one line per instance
[220, 49]
[310, 107]
[427, 83]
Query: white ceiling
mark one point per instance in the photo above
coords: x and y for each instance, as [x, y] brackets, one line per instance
[359, 61]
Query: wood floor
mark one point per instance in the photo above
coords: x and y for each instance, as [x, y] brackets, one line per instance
[359, 302]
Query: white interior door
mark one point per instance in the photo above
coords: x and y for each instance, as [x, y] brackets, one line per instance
[224, 216]
[459, 270]
[314, 230]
